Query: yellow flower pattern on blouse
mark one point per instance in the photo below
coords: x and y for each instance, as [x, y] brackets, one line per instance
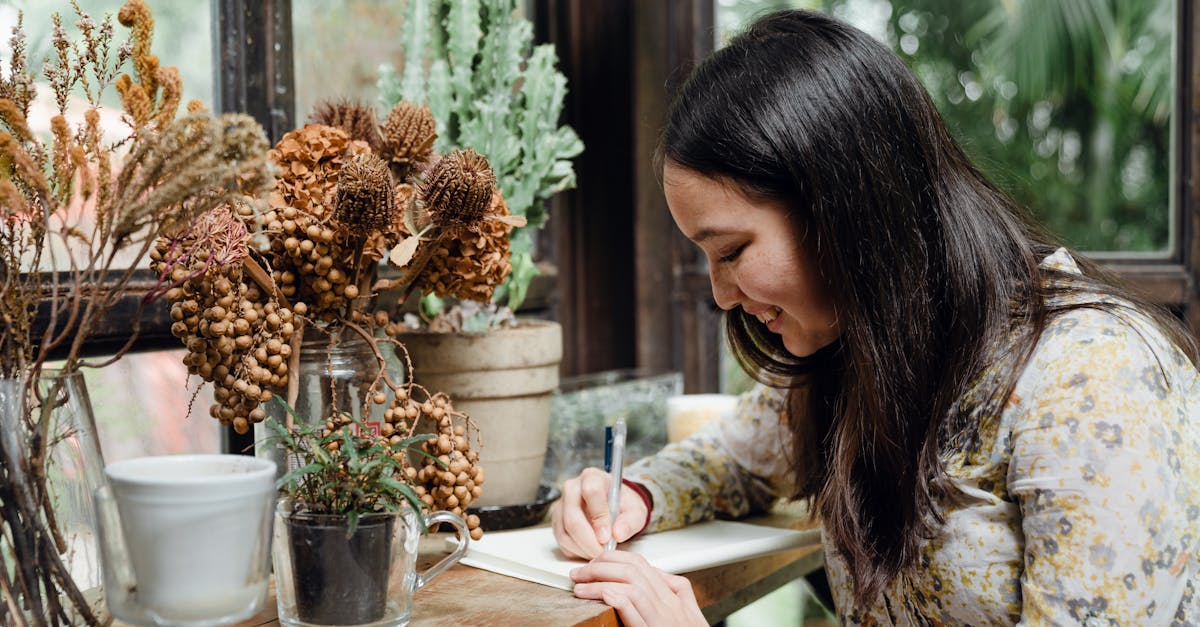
[1079, 503]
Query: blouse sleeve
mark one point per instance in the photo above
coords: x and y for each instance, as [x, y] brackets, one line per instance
[1101, 474]
[734, 467]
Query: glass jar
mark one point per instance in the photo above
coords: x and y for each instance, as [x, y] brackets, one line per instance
[336, 373]
[58, 406]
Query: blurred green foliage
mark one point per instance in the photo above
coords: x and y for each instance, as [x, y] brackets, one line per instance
[1066, 104]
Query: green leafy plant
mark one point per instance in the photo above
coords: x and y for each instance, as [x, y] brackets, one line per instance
[489, 88]
[337, 470]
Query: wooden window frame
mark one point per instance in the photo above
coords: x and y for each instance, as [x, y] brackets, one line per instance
[684, 332]
[1173, 281]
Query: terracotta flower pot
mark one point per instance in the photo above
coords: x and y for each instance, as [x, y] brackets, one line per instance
[504, 380]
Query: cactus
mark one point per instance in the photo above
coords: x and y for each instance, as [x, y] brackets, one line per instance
[473, 63]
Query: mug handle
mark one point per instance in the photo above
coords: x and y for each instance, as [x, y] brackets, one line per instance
[464, 538]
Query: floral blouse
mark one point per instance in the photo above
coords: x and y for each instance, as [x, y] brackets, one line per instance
[1082, 498]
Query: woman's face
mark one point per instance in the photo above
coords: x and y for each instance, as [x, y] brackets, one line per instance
[756, 259]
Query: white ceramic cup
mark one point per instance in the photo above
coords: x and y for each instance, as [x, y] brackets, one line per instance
[689, 413]
[196, 533]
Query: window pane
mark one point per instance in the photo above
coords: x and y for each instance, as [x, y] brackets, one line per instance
[141, 407]
[182, 38]
[1067, 105]
[337, 52]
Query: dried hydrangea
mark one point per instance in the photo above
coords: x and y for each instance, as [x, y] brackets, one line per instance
[472, 265]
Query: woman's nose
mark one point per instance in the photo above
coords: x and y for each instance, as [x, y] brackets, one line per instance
[725, 290]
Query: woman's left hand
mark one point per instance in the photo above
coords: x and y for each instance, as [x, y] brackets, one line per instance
[643, 595]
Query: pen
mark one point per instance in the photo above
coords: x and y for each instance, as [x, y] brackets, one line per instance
[616, 461]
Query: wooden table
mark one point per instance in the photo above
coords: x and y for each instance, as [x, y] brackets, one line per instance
[468, 596]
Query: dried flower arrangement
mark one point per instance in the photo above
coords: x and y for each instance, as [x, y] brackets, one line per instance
[491, 89]
[250, 279]
[78, 212]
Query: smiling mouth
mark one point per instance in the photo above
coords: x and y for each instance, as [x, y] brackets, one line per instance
[768, 315]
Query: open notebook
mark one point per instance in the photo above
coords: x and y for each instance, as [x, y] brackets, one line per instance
[533, 555]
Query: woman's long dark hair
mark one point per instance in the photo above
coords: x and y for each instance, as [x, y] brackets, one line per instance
[929, 266]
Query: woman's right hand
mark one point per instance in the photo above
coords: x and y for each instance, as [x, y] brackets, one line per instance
[581, 518]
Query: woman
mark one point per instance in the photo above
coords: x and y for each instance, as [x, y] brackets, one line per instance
[990, 430]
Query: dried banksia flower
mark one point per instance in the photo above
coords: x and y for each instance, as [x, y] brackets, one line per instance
[408, 136]
[365, 202]
[470, 267]
[357, 119]
[457, 190]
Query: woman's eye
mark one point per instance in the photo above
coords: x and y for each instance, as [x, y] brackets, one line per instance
[730, 256]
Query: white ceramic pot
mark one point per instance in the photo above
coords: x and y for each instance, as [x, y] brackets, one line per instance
[194, 537]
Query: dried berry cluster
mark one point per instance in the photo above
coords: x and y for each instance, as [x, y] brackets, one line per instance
[237, 337]
[450, 478]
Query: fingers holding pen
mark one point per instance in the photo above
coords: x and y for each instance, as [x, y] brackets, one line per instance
[572, 516]
[594, 486]
[581, 519]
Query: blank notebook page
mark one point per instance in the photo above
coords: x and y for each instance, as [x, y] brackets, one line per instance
[533, 555]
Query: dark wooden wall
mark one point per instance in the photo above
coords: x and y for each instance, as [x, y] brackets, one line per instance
[590, 237]
[631, 292]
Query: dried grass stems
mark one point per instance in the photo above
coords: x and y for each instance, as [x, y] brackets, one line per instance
[77, 214]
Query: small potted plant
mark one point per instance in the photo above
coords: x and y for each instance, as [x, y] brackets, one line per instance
[347, 527]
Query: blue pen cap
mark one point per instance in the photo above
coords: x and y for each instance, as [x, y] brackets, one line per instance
[608, 447]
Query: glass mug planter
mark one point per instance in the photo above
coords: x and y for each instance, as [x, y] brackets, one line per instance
[327, 576]
[185, 539]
